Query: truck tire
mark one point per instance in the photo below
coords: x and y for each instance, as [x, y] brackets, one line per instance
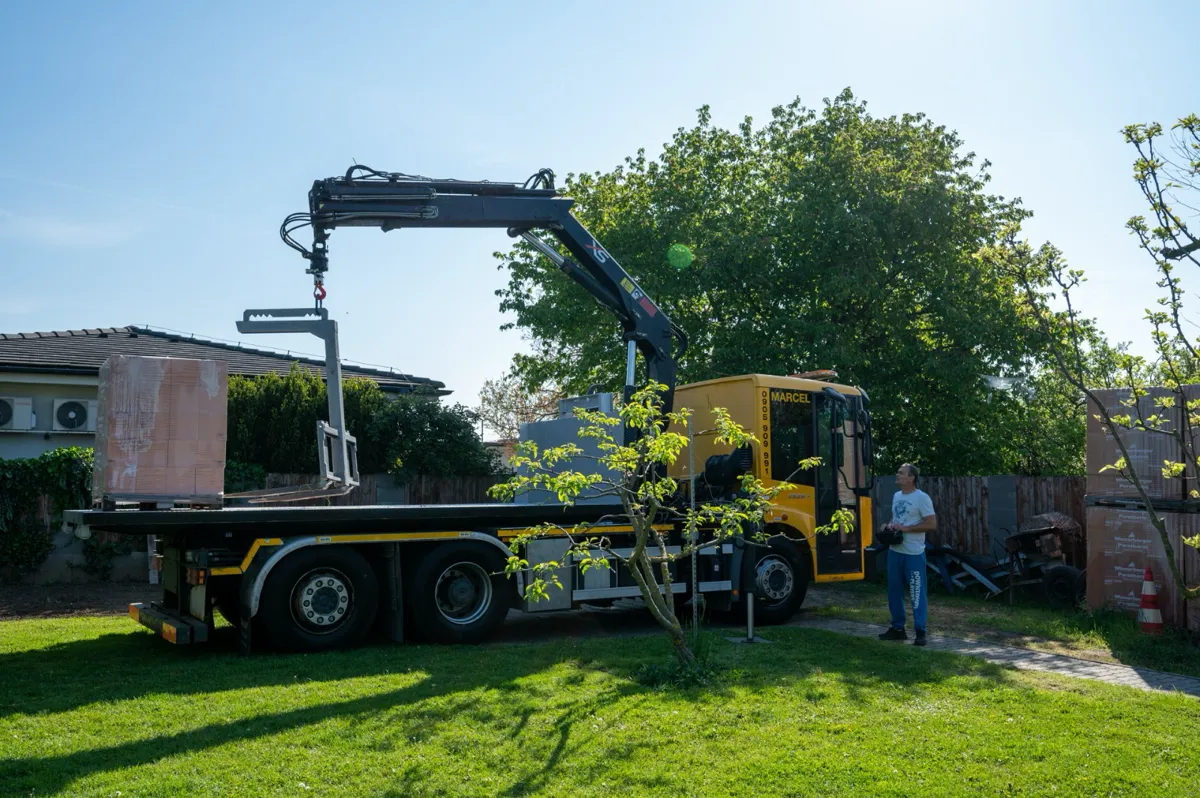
[780, 581]
[458, 594]
[319, 598]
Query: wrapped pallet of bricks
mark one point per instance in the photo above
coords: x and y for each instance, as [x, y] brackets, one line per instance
[1122, 542]
[1147, 450]
[161, 430]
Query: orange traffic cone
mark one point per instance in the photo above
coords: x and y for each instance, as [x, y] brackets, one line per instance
[1149, 614]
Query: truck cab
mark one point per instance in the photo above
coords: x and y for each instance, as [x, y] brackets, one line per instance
[793, 418]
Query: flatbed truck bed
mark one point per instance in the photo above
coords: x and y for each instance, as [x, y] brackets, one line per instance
[317, 578]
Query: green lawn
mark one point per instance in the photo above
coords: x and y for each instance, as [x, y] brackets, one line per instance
[1100, 636]
[98, 706]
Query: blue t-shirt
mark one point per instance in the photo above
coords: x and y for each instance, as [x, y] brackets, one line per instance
[907, 510]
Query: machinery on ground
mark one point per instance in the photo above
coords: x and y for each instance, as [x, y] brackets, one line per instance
[309, 578]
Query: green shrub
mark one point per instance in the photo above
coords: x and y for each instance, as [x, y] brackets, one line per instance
[64, 476]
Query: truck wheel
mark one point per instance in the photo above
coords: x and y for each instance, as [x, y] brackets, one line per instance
[319, 598]
[458, 594]
[781, 577]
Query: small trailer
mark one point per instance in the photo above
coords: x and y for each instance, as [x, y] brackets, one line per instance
[1041, 552]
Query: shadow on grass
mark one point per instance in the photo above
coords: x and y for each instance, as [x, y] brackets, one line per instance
[119, 667]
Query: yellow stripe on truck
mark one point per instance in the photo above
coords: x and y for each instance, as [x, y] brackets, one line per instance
[391, 536]
[508, 534]
[234, 570]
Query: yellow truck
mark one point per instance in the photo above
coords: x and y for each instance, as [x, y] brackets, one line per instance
[309, 578]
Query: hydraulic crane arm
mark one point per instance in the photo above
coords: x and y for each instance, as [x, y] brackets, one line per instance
[364, 197]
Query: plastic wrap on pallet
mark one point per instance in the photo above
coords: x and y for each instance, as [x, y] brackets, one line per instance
[161, 429]
[1147, 450]
[1121, 543]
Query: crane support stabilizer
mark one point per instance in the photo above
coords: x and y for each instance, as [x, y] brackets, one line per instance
[365, 197]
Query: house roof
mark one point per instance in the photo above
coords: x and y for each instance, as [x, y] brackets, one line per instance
[84, 352]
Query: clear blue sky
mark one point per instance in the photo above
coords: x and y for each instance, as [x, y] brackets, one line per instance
[150, 152]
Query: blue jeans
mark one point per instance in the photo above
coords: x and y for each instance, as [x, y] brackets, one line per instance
[906, 573]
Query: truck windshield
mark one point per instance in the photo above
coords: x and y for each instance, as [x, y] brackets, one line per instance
[791, 436]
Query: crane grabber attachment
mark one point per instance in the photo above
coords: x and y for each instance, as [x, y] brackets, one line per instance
[337, 450]
[365, 197]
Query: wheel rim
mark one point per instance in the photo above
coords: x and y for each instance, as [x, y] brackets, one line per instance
[463, 593]
[322, 600]
[774, 579]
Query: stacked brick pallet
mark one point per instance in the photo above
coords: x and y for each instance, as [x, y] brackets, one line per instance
[1121, 539]
[161, 432]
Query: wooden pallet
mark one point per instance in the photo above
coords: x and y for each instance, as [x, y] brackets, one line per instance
[144, 502]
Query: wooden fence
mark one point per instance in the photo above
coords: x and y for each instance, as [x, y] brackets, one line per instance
[963, 505]
[450, 490]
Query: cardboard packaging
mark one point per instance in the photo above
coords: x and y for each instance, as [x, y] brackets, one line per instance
[161, 429]
[1189, 526]
[1121, 543]
[1147, 450]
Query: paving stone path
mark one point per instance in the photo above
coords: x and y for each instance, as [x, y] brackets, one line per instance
[1027, 659]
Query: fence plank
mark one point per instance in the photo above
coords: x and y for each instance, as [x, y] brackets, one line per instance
[451, 490]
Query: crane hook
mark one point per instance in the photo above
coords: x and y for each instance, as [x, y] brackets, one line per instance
[318, 292]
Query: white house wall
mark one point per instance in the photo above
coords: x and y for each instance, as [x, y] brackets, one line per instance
[43, 389]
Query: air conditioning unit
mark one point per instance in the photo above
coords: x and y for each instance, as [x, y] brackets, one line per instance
[16, 413]
[75, 415]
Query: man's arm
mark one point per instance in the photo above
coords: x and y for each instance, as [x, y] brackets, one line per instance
[926, 524]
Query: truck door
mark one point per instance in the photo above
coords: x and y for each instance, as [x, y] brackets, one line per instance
[837, 552]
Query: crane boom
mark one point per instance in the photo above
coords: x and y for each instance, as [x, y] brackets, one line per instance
[364, 197]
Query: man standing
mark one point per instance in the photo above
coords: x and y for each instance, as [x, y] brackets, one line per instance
[912, 515]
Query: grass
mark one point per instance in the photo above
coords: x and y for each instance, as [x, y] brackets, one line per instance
[1101, 636]
[97, 706]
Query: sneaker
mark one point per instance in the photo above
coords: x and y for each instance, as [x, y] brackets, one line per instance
[894, 634]
[920, 641]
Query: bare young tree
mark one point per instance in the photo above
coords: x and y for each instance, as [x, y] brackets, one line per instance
[635, 473]
[505, 404]
[1171, 188]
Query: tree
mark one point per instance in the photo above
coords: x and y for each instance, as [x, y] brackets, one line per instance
[505, 404]
[635, 473]
[1046, 277]
[837, 240]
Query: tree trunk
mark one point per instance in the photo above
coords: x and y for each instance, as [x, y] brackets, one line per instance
[643, 573]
